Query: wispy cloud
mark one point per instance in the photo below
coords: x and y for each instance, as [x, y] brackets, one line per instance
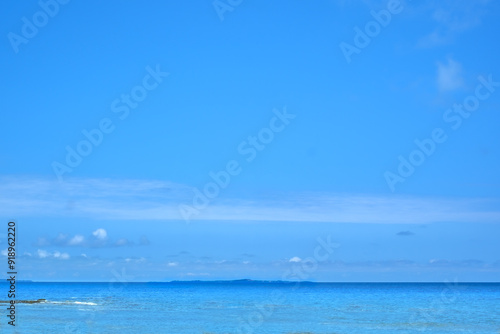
[43, 254]
[85, 197]
[98, 238]
[449, 76]
[452, 17]
[76, 240]
[123, 242]
[156, 200]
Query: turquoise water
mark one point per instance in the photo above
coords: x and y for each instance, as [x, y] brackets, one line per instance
[256, 307]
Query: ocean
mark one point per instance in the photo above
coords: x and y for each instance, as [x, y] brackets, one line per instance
[255, 307]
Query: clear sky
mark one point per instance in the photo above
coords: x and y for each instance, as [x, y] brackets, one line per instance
[163, 140]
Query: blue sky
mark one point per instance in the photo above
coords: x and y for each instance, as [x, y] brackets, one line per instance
[220, 140]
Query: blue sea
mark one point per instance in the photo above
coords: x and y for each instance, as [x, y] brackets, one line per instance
[255, 307]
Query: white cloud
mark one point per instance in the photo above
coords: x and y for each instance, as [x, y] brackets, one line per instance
[452, 17]
[458, 16]
[449, 76]
[42, 253]
[173, 264]
[100, 234]
[59, 255]
[295, 259]
[103, 198]
[76, 240]
[432, 39]
[136, 260]
[151, 200]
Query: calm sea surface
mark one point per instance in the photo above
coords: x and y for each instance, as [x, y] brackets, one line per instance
[255, 307]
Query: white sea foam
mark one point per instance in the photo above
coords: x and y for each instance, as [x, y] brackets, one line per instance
[70, 303]
[85, 303]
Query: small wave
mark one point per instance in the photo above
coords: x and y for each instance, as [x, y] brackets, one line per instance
[66, 302]
[44, 301]
[85, 303]
[17, 301]
[69, 303]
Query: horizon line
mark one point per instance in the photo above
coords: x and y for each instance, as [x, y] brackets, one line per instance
[265, 281]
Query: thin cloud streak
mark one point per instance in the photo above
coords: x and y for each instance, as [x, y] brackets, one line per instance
[158, 200]
[451, 18]
[449, 77]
